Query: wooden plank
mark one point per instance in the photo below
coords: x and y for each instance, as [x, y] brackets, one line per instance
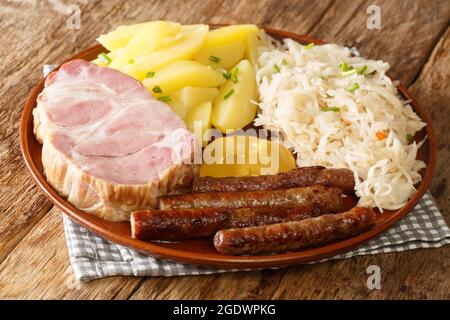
[409, 31]
[343, 279]
[39, 268]
[431, 90]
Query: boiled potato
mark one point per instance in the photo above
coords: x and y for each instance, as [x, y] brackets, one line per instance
[119, 37]
[193, 96]
[198, 120]
[183, 73]
[176, 105]
[233, 106]
[224, 55]
[251, 53]
[146, 40]
[183, 31]
[184, 48]
[229, 34]
[245, 156]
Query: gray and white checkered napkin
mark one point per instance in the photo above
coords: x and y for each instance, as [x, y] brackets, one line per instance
[93, 257]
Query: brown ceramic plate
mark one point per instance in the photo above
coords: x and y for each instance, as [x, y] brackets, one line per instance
[202, 252]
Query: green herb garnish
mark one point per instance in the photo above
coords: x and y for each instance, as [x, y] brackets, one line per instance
[409, 137]
[104, 58]
[362, 70]
[276, 67]
[150, 74]
[334, 109]
[309, 45]
[165, 98]
[345, 67]
[229, 93]
[227, 75]
[157, 89]
[352, 88]
[233, 76]
[284, 61]
[214, 59]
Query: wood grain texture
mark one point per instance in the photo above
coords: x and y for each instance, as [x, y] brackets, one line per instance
[39, 268]
[409, 31]
[432, 89]
[33, 258]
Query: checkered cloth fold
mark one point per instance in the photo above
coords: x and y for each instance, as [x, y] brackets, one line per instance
[93, 257]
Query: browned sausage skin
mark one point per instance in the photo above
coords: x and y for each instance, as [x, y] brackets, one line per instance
[298, 177]
[314, 195]
[181, 224]
[289, 236]
[178, 224]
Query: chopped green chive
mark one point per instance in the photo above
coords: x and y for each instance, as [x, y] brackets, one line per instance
[157, 89]
[309, 45]
[227, 75]
[150, 74]
[214, 59]
[276, 67]
[334, 109]
[410, 137]
[229, 93]
[165, 98]
[284, 61]
[362, 70]
[131, 61]
[352, 88]
[233, 76]
[104, 58]
[348, 73]
[345, 67]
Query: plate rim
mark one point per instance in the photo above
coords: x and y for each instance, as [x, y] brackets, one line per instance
[220, 260]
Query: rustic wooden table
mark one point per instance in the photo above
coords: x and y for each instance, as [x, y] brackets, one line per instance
[414, 38]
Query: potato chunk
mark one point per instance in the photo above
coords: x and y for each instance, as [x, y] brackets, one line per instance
[183, 73]
[233, 106]
[193, 96]
[176, 105]
[251, 53]
[224, 55]
[245, 156]
[230, 33]
[119, 37]
[184, 48]
[146, 40]
[198, 120]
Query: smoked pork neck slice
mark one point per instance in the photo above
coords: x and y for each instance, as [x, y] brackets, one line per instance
[108, 145]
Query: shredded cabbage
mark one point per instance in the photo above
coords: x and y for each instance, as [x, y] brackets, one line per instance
[307, 100]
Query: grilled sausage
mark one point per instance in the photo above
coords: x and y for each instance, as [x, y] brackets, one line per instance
[314, 195]
[289, 236]
[299, 177]
[181, 224]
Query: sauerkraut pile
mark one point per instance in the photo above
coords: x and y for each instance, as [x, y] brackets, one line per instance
[337, 109]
